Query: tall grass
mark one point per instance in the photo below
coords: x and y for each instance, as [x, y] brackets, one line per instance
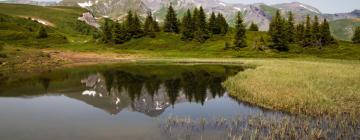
[300, 87]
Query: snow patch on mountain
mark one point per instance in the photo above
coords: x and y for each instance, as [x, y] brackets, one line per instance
[85, 4]
[310, 9]
[237, 8]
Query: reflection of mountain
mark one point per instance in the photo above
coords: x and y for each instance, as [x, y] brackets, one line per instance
[149, 91]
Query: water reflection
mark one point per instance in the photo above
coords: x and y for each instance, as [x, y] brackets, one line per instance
[148, 89]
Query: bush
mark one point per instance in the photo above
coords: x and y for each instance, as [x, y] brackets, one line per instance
[42, 33]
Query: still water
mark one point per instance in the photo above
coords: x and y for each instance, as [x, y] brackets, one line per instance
[125, 102]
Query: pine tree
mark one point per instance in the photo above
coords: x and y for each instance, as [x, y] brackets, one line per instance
[187, 27]
[171, 22]
[42, 33]
[356, 36]
[300, 31]
[129, 21]
[148, 22]
[136, 26]
[240, 32]
[308, 39]
[278, 33]
[223, 25]
[214, 26]
[326, 38]
[253, 27]
[201, 32]
[120, 35]
[107, 31]
[315, 31]
[195, 17]
[290, 28]
[150, 26]
[156, 26]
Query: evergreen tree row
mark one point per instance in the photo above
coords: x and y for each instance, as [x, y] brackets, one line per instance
[312, 33]
[195, 25]
[132, 27]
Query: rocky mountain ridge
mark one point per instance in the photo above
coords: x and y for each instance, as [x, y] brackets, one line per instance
[258, 13]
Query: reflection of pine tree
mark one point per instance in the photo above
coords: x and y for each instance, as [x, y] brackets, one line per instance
[109, 80]
[45, 82]
[189, 84]
[202, 78]
[215, 86]
[152, 85]
[172, 89]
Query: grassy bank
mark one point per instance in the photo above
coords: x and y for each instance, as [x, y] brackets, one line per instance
[328, 87]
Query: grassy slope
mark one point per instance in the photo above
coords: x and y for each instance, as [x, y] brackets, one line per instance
[24, 32]
[344, 29]
[64, 18]
[170, 45]
[314, 87]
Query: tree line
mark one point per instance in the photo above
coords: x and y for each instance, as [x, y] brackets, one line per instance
[195, 25]
[312, 33]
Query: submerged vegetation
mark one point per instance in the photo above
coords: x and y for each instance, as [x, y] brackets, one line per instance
[261, 126]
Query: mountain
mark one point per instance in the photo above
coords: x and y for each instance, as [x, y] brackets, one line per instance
[258, 13]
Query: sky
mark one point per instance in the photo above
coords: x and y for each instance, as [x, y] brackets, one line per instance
[325, 6]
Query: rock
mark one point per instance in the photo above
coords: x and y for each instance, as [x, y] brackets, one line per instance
[89, 19]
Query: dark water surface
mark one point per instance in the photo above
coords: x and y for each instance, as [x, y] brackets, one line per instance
[127, 101]
[147, 102]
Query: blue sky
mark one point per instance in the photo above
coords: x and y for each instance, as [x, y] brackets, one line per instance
[325, 6]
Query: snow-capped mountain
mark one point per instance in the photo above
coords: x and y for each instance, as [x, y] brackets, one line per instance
[258, 13]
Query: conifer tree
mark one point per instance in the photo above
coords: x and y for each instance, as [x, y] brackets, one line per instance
[253, 27]
[290, 28]
[120, 35]
[240, 32]
[299, 36]
[278, 33]
[187, 27]
[136, 26]
[156, 26]
[201, 32]
[150, 26]
[223, 25]
[42, 33]
[326, 37]
[171, 22]
[148, 23]
[315, 31]
[356, 36]
[195, 17]
[107, 31]
[214, 25]
[129, 21]
[307, 33]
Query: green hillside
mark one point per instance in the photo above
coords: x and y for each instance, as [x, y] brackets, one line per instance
[268, 9]
[344, 29]
[24, 32]
[63, 19]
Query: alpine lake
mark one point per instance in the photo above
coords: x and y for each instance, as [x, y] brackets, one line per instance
[137, 101]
